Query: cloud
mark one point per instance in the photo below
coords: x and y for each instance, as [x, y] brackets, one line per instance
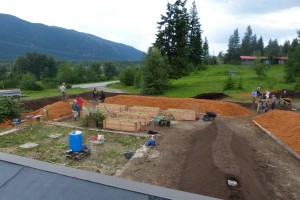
[256, 6]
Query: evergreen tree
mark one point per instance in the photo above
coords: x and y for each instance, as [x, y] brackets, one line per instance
[195, 40]
[154, 73]
[260, 46]
[246, 42]
[285, 48]
[233, 51]
[172, 38]
[205, 52]
[292, 66]
[272, 49]
[253, 44]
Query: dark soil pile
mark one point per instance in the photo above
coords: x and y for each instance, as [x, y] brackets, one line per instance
[290, 93]
[211, 96]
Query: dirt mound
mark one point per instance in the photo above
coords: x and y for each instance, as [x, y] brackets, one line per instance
[290, 93]
[58, 109]
[31, 105]
[210, 96]
[284, 125]
[55, 110]
[164, 103]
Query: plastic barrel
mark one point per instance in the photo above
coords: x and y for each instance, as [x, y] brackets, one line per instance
[75, 140]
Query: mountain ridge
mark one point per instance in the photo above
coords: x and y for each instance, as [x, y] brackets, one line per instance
[18, 37]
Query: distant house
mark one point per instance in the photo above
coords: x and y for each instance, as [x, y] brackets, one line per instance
[249, 60]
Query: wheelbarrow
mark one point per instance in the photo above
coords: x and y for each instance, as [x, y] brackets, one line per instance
[209, 115]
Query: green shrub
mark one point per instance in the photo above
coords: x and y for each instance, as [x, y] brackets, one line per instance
[297, 86]
[9, 109]
[28, 82]
[229, 84]
[97, 115]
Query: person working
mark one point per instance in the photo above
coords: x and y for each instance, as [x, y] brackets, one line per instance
[282, 97]
[102, 96]
[95, 97]
[75, 109]
[79, 103]
[273, 102]
[63, 91]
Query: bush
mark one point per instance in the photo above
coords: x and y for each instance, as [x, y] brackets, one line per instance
[50, 83]
[9, 109]
[297, 86]
[229, 84]
[28, 82]
[127, 75]
[97, 115]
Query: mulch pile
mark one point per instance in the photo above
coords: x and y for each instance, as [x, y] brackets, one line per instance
[164, 103]
[284, 125]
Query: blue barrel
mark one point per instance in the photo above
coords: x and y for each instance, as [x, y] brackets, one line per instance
[75, 140]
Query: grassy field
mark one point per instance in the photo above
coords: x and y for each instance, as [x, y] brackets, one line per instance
[106, 158]
[31, 95]
[213, 80]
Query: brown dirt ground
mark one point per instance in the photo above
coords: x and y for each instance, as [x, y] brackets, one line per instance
[199, 157]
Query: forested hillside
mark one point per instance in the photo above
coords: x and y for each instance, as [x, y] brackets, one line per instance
[18, 37]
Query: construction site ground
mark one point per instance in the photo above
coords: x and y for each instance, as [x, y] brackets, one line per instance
[200, 157]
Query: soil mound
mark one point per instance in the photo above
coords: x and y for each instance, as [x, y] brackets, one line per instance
[210, 96]
[58, 109]
[164, 103]
[284, 125]
[290, 93]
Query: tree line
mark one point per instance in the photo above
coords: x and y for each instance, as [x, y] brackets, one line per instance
[251, 45]
[35, 71]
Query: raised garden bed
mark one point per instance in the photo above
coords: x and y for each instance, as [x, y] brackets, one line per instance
[153, 111]
[182, 114]
[122, 124]
[144, 118]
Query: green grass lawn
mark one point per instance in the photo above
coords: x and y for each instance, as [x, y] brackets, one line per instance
[213, 79]
[31, 95]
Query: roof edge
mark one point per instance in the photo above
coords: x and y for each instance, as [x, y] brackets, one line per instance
[102, 179]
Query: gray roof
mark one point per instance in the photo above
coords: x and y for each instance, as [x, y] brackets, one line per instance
[28, 179]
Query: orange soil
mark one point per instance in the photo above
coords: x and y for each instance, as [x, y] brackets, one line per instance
[284, 125]
[55, 110]
[219, 107]
[6, 124]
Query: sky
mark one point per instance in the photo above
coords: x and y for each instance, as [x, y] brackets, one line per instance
[134, 22]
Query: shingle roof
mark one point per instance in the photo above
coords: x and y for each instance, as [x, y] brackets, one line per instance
[27, 179]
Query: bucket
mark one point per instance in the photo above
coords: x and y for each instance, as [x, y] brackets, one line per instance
[75, 140]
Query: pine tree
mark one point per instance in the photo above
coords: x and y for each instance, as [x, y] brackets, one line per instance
[233, 51]
[195, 40]
[205, 52]
[154, 73]
[260, 46]
[246, 46]
[272, 49]
[172, 38]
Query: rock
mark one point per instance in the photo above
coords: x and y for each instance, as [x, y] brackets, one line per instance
[28, 145]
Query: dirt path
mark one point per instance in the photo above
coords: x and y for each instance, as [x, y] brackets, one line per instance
[199, 157]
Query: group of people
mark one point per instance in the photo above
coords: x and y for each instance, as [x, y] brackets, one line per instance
[263, 100]
[77, 107]
[77, 103]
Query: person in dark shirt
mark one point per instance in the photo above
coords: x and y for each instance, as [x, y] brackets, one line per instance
[102, 96]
